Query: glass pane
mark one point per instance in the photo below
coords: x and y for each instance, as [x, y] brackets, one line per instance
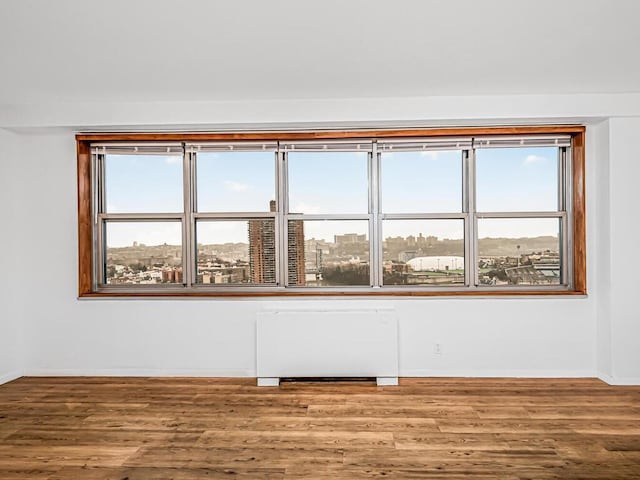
[519, 251]
[328, 252]
[423, 252]
[143, 253]
[236, 181]
[143, 183]
[236, 252]
[427, 181]
[332, 182]
[517, 179]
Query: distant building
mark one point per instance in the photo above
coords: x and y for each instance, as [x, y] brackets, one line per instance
[407, 255]
[262, 250]
[172, 275]
[349, 238]
[536, 274]
[295, 247]
[444, 262]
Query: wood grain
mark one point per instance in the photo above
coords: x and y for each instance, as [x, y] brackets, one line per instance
[579, 214]
[442, 428]
[337, 293]
[85, 235]
[328, 134]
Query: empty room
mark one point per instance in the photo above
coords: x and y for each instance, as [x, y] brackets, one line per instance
[330, 239]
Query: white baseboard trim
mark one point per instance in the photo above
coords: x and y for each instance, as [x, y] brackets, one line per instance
[187, 372]
[9, 377]
[138, 372]
[268, 381]
[620, 381]
[499, 373]
[606, 378]
[387, 381]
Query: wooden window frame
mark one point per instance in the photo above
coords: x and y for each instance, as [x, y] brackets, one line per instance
[578, 212]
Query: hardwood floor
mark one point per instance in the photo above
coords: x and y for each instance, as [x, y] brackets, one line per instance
[162, 428]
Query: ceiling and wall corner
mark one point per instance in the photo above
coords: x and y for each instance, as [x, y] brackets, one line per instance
[73, 65]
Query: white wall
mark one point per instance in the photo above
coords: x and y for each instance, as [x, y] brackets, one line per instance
[332, 112]
[623, 315]
[484, 337]
[10, 296]
[55, 84]
[598, 138]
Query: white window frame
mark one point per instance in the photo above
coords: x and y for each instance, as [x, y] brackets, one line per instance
[374, 148]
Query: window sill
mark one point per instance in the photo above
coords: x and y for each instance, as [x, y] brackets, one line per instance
[475, 293]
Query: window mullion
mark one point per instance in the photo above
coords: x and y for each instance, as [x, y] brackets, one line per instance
[282, 270]
[189, 265]
[375, 242]
[98, 225]
[566, 245]
[469, 205]
[101, 256]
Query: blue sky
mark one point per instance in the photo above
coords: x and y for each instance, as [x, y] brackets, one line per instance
[513, 179]
[429, 182]
[235, 181]
[332, 182]
[516, 179]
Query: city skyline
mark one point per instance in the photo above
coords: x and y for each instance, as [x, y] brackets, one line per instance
[315, 239]
[414, 260]
[326, 238]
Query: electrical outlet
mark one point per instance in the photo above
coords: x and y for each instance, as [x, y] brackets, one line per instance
[437, 349]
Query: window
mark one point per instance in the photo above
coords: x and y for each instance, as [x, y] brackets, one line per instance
[429, 212]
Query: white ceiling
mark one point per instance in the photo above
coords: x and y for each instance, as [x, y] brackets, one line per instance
[151, 50]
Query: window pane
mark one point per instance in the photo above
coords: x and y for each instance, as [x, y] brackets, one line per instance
[427, 181]
[423, 252]
[328, 252]
[516, 179]
[236, 252]
[236, 181]
[519, 251]
[332, 182]
[143, 253]
[143, 183]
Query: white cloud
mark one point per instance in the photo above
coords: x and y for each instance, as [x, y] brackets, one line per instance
[430, 154]
[173, 160]
[235, 186]
[531, 159]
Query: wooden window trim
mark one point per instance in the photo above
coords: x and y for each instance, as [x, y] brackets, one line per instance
[85, 240]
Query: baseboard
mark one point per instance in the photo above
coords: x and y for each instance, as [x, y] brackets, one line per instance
[138, 372]
[620, 381]
[187, 372]
[9, 377]
[499, 373]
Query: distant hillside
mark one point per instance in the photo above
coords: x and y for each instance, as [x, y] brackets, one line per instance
[509, 246]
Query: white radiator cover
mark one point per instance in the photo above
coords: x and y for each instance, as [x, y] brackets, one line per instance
[327, 343]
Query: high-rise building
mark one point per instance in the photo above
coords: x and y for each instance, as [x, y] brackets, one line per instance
[262, 250]
[295, 247]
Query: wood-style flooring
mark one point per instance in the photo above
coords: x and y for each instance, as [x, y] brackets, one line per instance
[168, 428]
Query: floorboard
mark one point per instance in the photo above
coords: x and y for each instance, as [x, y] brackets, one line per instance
[437, 428]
